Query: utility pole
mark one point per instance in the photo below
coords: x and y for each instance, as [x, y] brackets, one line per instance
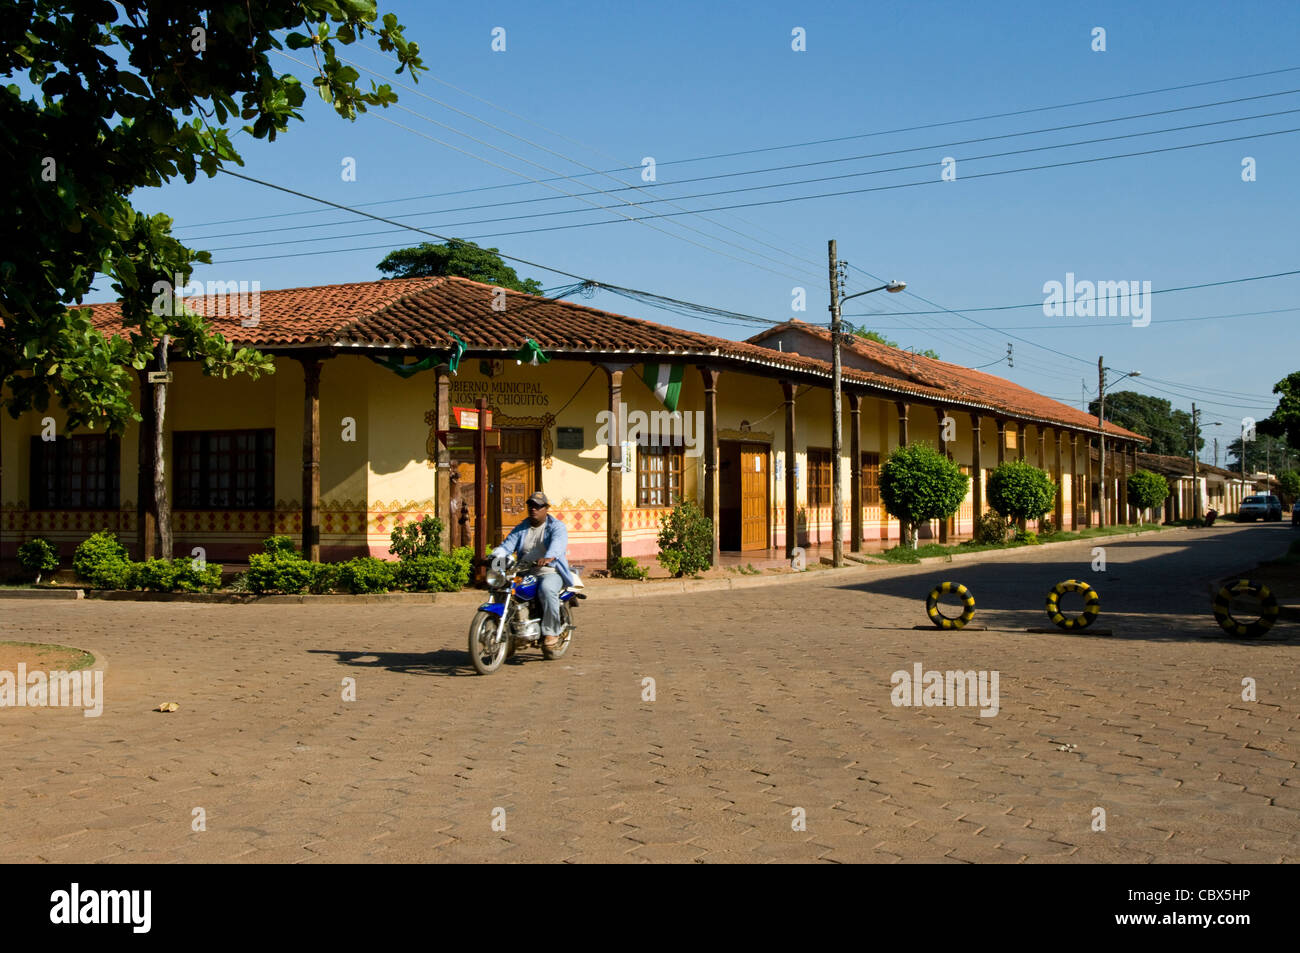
[1101, 425]
[1196, 480]
[837, 519]
[1216, 452]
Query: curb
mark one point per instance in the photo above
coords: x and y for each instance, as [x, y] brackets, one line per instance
[1005, 553]
[42, 594]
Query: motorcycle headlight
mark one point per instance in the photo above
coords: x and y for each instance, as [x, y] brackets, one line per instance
[495, 579]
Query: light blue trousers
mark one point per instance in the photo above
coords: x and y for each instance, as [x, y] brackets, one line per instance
[550, 584]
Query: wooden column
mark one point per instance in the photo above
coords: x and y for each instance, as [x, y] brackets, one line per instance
[1123, 515]
[1075, 488]
[1060, 482]
[614, 483]
[711, 508]
[939, 414]
[1133, 462]
[1090, 476]
[1022, 434]
[146, 507]
[311, 369]
[855, 472]
[977, 470]
[791, 511]
[455, 519]
[1002, 441]
[903, 407]
[1042, 448]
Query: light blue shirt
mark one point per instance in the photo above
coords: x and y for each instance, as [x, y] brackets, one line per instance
[555, 539]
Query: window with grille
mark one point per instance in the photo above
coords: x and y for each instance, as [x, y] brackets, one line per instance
[871, 479]
[659, 475]
[224, 469]
[819, 478]
[80, 472]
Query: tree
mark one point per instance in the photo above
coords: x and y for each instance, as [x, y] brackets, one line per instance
[1170, 430]
[879, 338]
[1265, 452]
[918, 483]
[109, 89]
[457, 257]
[1147, 490]
[1284, 422]
[1289, 483]
[1020, 490]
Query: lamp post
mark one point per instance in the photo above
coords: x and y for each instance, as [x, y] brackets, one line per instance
[1101, 425]
[837, 518]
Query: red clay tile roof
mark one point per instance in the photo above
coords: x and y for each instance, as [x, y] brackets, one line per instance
[422, 313]
[960, 383]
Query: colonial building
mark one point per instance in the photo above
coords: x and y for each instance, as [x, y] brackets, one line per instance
[362, 427]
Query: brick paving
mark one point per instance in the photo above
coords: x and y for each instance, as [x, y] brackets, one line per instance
[770, 703]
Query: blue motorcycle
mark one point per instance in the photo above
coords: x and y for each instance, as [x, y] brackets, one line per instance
[512, 620]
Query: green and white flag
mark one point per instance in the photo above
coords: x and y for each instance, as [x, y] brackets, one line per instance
[666, 382]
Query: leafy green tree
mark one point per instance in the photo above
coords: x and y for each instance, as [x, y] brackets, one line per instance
[1284, 422]
[1289, 483]
[685, 540]
[1020, 490]
[1170, 430]
[460, 258]
[918, 483]
[1265, 452]
[1147, 490]
[879, 338]
[114, 97]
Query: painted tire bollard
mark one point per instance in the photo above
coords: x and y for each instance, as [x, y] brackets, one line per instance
[1091, 605]
[1245, 630]
[943, 621]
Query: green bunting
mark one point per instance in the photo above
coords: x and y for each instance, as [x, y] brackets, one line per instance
[531, 353]
[399, 366]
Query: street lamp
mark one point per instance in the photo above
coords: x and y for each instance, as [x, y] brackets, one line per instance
[837, 496]
[1101, 425]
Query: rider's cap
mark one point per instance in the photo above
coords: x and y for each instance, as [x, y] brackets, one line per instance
[539, 498]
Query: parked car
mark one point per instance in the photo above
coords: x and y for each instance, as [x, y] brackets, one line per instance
[1295, 515]
[1263, 506]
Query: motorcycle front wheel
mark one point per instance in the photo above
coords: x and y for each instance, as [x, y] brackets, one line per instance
[484, 651]
[567, 618]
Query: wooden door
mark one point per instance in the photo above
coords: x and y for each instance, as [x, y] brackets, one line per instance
[753, 497]
[514, 469]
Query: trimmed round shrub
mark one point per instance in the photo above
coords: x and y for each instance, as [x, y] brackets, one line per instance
[440, 572]
[1147, 490]
[417, 539]
[625, 567]
[103, 562]
[38, 556]
[176, 575]
[1020, 490]
[685, 540]
[324, 577]
[918, 483]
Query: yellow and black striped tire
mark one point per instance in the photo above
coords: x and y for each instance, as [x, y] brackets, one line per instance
[941, 620]
[1091, 605]
[1245, 630]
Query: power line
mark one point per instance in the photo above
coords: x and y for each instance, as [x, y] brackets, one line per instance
[799, 165]
[1071, 327]
[933, 125]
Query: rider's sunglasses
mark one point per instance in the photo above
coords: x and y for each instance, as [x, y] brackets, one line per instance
[537, 506]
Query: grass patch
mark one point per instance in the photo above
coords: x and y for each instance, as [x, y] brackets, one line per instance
[904, 554]
[41, 656]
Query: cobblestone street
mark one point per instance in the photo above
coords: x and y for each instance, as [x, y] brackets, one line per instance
[770, 705]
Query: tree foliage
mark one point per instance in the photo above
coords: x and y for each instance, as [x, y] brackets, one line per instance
[1265, 452]
[457, 257]
[1284, 422]
[918, 483]
[1170, 430]
[112, 97]
[1020, 490]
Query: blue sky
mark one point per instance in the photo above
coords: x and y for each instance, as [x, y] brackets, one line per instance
[604, 85]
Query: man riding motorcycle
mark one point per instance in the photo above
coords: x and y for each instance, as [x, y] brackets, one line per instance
[542, 539]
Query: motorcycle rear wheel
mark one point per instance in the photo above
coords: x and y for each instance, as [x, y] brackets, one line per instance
[486, 656]
[558, 652]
